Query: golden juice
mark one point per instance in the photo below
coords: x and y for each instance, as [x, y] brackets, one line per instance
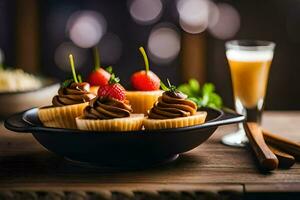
[249, 74]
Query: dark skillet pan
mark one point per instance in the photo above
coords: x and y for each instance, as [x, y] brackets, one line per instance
[134, 149]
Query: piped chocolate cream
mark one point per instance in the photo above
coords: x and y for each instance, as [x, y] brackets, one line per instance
[107, 108]
[74, 93]
[172, 104]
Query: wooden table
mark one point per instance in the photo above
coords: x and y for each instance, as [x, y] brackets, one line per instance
[211, 171]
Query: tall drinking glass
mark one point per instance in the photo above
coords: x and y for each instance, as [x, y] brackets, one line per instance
[249, 63]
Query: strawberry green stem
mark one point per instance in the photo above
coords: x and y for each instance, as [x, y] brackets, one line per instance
[163, 86]
[146, 61]
[73, 68]
[169, 83]
[171, 87]
[96, 58]
[113, 79]
[109, 69]
[79, 78]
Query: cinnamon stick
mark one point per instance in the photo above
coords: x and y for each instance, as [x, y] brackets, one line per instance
[285, 160]
[282, 143]
[267, 159]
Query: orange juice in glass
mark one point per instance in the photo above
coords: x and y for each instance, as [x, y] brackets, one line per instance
[249, 63]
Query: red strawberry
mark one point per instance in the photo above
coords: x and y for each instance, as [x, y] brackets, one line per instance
[98, 77]
[145, 80]
[113, 89]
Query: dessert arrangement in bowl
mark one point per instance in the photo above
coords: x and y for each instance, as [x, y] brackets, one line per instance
[111, 127]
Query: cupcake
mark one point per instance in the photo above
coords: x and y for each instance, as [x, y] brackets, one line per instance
[110, 111]
[73, 96]
[146, 86]
[173, 110]
[99, 76]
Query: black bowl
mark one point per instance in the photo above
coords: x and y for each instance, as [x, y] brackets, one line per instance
[132, 149]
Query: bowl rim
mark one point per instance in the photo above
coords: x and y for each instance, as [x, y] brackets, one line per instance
[224, 117]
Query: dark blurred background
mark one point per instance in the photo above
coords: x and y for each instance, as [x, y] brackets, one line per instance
[183, 39]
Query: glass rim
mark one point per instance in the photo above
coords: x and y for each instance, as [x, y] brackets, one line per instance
[250, 45]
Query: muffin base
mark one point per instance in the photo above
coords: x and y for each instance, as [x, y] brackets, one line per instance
[61, 117]
[94, 89]
[132, 123]
[142, 101]
[152, 124]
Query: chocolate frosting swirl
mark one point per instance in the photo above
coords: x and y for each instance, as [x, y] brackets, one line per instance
[75, 93]
[172, 104]
[107, 108]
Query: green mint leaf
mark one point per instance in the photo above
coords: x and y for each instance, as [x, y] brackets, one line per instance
[185, 88]
[208, 88]
[216, 100]
[194, 85]
[205, 100]
[196, 100]
[212, 105]
[192, 88]
[204, 97]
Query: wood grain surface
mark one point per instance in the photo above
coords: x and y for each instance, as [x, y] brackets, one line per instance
[26, 165]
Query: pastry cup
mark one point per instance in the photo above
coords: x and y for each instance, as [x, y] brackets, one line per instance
[152, 124]
[61, 117]
[94, 89]
[142, 101]
[132, 123]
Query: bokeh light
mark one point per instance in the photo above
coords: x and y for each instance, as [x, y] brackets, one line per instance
[145, 11]
[227, 22]
[110, 47]
[61, 55]
[214, 14]
[164, 43]
[85, 28]
[193, 15]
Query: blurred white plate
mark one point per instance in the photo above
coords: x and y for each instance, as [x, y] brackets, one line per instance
[13, 102]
